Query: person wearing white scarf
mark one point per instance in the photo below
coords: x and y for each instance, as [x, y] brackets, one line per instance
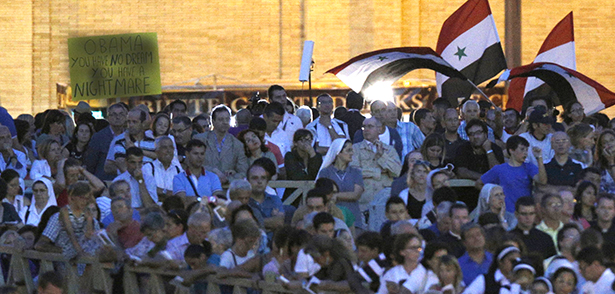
[336, 166]
[507, 219]
[31, 215]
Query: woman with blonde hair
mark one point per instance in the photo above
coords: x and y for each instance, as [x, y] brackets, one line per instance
[415, 196]
[450, 276]
[583, 139]
[50, 163]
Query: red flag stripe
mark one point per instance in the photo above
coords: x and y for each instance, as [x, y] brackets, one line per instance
[561, 34]
[468, 15]
[606, 96]
[516, 93]
[415, 50]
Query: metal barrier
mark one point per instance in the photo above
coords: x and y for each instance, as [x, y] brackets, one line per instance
[302, 188]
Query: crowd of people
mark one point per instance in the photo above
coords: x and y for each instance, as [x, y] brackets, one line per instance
[163, 190]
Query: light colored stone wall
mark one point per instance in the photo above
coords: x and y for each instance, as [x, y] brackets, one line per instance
[239, 41]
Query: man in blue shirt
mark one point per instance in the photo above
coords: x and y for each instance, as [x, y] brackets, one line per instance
[516, 175]
[267, 208]
[195, 181]
[476, 260]
[121, 189]
[98, 148]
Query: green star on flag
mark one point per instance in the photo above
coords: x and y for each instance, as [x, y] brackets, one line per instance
[381, 58]
[461, 52]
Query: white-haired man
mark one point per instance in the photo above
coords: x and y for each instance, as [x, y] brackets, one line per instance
[471, 110]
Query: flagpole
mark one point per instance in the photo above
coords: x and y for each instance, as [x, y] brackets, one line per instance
[482, 93]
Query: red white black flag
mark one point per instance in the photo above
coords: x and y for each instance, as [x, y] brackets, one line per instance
[557, 48]
[469, 41]
[569, 85]
[388, 65]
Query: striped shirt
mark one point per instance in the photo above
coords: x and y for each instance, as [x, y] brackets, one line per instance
[118, 147]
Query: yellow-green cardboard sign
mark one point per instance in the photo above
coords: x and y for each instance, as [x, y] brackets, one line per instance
[114, 66]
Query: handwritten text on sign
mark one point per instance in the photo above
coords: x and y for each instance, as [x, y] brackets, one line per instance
[114, 66]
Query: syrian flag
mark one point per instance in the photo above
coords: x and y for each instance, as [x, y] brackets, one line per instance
[569, 85]
[557, 48]
[388, 65]
[469, 41]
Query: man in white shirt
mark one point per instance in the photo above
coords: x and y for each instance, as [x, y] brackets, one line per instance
[326, 128]
[142, 186]
[164, 168]
[591, 266]
[539, 135]
[11, 158]
[323, 223]
[273, 115]
[290, 122]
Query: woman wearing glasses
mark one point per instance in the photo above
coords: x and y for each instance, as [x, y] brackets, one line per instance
[573, 114]
[409, 272]
[491, 199]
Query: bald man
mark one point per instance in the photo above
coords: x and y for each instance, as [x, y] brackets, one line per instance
[11, 158]
[378, 161]
[469, 111]
[562, 170]
[389, 134]
[450, 123]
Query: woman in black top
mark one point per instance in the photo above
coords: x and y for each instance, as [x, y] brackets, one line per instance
[8, 212]
[303, 162]
[79, 142]
[415, 195]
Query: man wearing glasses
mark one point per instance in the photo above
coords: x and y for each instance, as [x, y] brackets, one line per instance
[182, 132]
[98, 148]
[536, 241]
[326, 128]
[476, 157]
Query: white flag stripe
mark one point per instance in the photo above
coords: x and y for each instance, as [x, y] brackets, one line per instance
[474, 48]
[586, 94]
[563, 55]
[355, 74]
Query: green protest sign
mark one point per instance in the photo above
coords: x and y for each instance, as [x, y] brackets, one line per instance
[114, 66]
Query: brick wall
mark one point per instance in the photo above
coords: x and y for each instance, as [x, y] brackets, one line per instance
[239, 41]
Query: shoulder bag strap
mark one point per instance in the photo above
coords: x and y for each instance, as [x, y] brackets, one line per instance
[25, 220]
[196, 193]
[153, 168]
